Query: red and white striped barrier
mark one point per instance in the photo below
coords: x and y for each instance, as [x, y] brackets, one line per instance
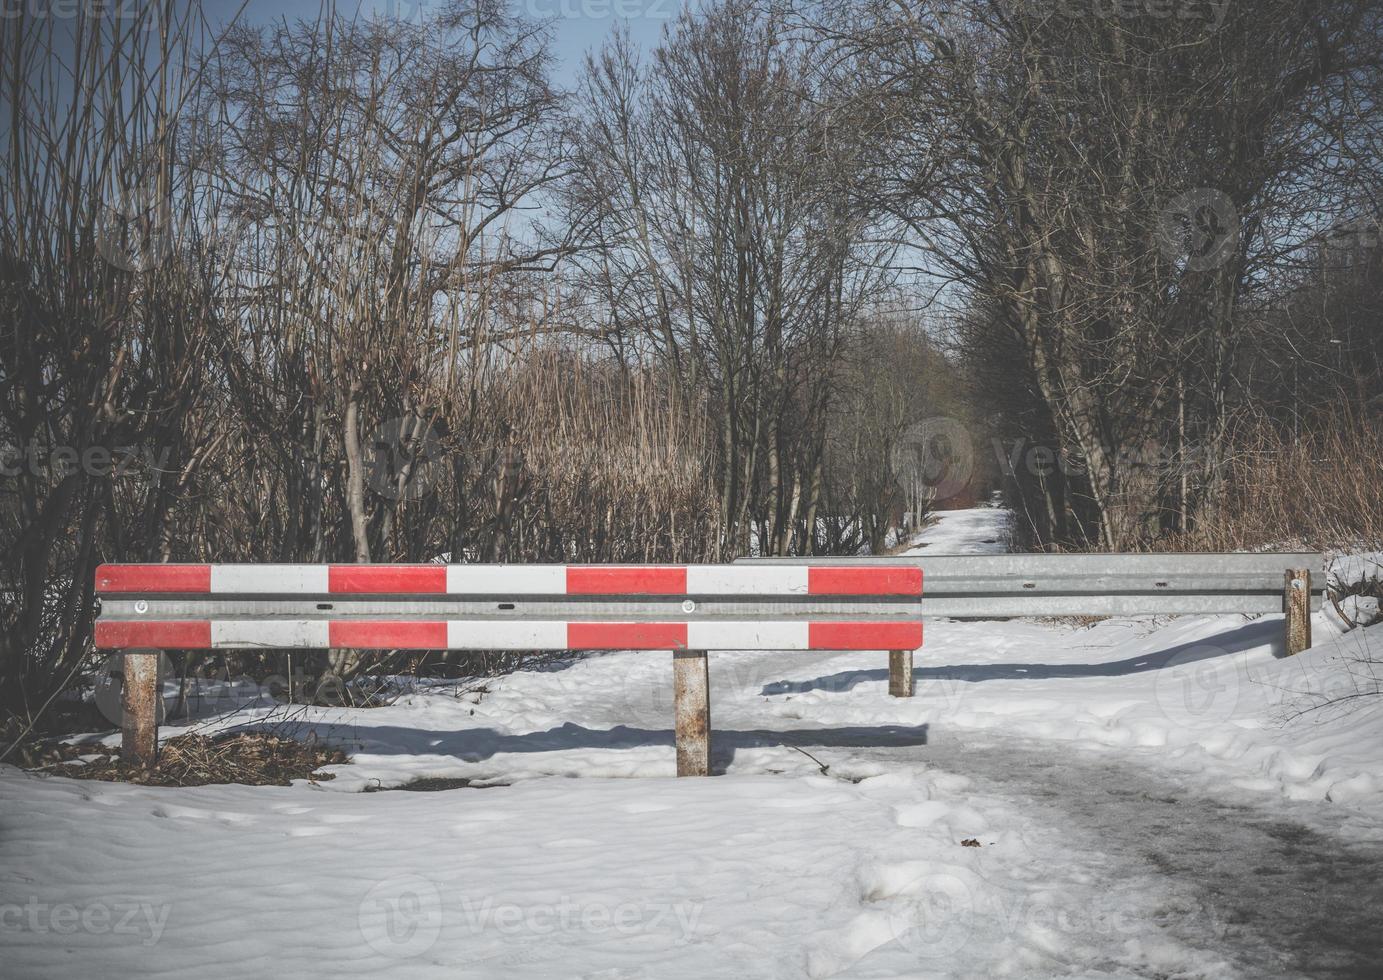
[344, 623]
[510, 580]
[688, 609]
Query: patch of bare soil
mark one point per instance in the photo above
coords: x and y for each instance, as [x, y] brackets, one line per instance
[433, 784]
[251, 758]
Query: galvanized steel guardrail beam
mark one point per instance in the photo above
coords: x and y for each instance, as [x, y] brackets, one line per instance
[1012, 585]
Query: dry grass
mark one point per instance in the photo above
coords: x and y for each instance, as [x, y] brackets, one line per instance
[616, 468]
[1321, 490]
[1071, 622]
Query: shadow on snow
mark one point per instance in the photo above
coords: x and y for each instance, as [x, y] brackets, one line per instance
[1254, 634]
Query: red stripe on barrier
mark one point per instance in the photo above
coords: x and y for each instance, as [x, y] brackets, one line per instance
[153, 578]
[385, 635]
[626, 636]
[864, 636]
[626, 580]
[189, 634]
[837, 580]
[387, 578]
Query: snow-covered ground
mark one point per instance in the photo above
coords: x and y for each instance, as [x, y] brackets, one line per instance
[1145, 797]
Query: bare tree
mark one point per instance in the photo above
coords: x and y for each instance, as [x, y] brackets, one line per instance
[715, 185]
[105, 325]
[1110, 190]
[381, 170]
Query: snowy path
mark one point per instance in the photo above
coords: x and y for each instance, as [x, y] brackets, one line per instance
[1144, 800]
[1280, 890]
[1267, 889]
[978, 531]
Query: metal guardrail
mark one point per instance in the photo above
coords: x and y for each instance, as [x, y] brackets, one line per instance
[686, 609]
[752, 604]
[509, 607]
[1006, 586]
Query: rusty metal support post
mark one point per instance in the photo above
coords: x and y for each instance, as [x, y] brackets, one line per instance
[1296, 602]
[139, 700]
[900, 673]
[691, 694]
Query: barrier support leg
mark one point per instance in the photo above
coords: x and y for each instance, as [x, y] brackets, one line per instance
[139, 698]
[900, 673]
[691, 694]
[1296, 602]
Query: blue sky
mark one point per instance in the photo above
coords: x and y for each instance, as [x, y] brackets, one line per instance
[578, 25]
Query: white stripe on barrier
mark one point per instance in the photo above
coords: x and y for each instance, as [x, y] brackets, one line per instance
[747, 580]
[747, 636]
[309, 633]
[309, 579]
[507, 580]
[507, 635]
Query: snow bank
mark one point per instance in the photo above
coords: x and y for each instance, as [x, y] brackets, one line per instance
[803, 875]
